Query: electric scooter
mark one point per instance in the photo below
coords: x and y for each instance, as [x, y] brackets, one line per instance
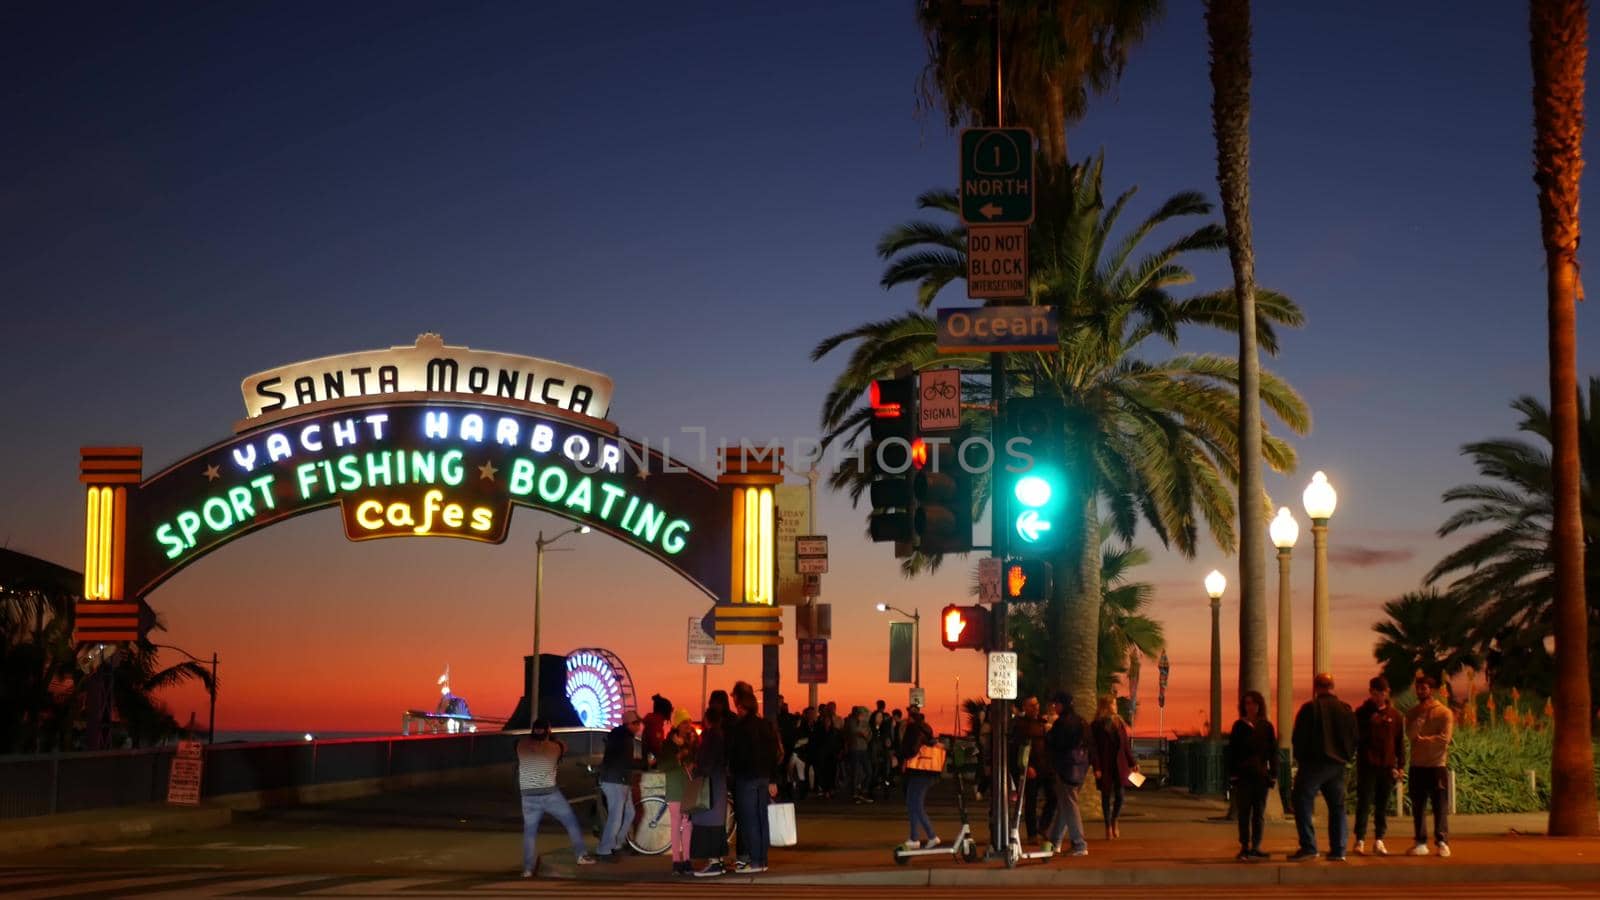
[963, 847]
[1015, 852]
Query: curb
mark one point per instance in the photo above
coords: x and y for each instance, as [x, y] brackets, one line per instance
[135, 822]
[1222, 873]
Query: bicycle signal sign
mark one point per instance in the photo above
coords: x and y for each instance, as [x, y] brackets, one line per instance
[939, 395]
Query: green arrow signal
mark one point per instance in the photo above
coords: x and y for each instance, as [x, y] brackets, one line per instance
[1031, 527]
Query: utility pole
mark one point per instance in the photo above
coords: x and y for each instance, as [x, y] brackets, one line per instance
[999, 710]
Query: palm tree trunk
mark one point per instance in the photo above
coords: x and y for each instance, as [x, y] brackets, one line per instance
[1559, 38]
[1228, 26]
[1055, 142]
[1076, 600]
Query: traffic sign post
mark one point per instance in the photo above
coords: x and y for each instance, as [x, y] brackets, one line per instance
[939, 400]
[997, 183]
[997, 262]
[989, 580]
[1002, 675]
[813, 661]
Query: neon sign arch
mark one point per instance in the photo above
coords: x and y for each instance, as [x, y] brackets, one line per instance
[432, 441]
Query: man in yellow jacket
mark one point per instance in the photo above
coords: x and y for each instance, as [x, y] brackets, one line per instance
[1429, 727]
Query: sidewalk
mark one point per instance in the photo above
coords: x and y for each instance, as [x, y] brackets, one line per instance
[473, 830]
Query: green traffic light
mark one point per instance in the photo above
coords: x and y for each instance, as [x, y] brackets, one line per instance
[1032, 490]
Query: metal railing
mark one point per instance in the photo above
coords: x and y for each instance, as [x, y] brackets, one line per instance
[43, 784]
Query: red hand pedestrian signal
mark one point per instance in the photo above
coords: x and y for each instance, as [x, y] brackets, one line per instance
[964, 627]
[954, 624]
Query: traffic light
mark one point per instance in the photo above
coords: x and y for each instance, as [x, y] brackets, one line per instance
[942, 490]
[1025, 580]
[964, 627]
[890, 458]
[1034, 477]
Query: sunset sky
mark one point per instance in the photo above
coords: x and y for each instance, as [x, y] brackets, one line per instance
[686, 197]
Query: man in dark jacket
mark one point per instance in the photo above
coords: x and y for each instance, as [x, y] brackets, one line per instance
[616, 785]
[754, 754]
[1068, 743]
[1324, 743]
[1028, 730]
[1382, 749]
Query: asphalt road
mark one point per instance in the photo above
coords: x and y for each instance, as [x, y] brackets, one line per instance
[19, 883]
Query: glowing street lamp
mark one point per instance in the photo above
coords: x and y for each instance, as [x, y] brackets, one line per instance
[1216, 583]
[1284, 531]
[916, 630]
[539, 544]
[1320, 500]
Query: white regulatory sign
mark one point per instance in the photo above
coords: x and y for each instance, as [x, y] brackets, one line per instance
[811, 545]
[703, 648]
[1002, 676]
[989, 580]
[811, 565]
[939, 400]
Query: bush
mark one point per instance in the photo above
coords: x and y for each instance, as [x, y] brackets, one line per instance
[1491, 768]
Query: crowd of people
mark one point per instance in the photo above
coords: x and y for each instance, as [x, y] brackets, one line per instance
[1328, 737]
[734, 756]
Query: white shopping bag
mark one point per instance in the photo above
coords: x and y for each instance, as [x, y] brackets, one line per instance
[780, 825]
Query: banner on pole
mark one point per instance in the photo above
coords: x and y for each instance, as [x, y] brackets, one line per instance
[902, 642]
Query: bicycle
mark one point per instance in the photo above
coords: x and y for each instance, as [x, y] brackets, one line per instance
[652, 823]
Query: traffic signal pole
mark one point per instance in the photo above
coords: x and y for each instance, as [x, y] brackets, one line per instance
[999, 710]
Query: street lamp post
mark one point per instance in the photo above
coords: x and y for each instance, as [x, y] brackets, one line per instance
[1320, 500]
[1216, 583]
[1285, 531]
[539, 544]
[916, 649]
[211, 716]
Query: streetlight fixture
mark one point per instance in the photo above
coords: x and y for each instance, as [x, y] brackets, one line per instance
[1320, 499]
[1216, 583]
[539, 544]
[1285, 531]
[916, 649]
[211, 717]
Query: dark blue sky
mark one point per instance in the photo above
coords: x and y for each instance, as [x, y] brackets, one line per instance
[686, 197]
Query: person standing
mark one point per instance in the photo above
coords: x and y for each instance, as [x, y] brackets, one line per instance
[1382, 738]
[1430, 726]
[880, 726]
[1111, 751]
[1028, 730]
[858, 734]
[538, 755]
[918, 734]
[709, 840]
[754, 754]
[1324, 740]
[826, 743]
[1252, 761]
[616, 785]
[1068, 743]
[656, 724]
[675, 761]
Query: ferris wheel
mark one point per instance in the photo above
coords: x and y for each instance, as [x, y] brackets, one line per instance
[598, 687]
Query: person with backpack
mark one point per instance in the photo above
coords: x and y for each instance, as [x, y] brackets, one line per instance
[1324, 739]
[1068, 743]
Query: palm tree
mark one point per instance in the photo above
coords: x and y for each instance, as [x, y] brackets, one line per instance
[1426, 632]
[1559, 41]
[1127, 633]
[1055, 52]
[1155, 440]
[1228, 26]
[1507, 574]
